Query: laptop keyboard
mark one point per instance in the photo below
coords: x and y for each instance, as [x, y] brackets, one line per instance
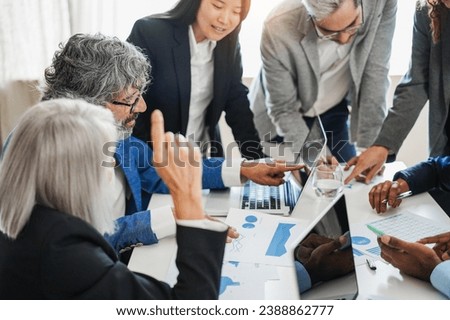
[256, 196]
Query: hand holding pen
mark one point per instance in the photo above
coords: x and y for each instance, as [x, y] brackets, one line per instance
[388, 193]
[402, 195]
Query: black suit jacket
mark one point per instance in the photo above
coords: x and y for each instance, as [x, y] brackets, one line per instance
[59, 256]
[166, 44]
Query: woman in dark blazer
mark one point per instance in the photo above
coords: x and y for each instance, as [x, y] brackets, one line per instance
[427, 80]
[54, 208]
[193, 91]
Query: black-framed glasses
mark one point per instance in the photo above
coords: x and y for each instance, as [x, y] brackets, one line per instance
[130, 105]
[351, 30]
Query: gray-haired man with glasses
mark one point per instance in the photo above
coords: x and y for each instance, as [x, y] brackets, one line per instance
[319, 58]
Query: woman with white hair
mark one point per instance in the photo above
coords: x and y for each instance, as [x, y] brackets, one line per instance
[54, 208]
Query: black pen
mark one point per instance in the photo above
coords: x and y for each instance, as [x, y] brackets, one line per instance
[403, 195]
[371, 265]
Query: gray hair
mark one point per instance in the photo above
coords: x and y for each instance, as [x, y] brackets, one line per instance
[95, 68]
[320, 9]
[55, 159]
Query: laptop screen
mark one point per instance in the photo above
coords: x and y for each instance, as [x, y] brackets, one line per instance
[325, 253]
[313, 148]
[311, 153]
[270, 199]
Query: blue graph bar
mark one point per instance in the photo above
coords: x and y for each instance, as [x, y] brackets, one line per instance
[277, 246]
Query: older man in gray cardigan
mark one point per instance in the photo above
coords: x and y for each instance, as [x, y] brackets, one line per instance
[318, 57]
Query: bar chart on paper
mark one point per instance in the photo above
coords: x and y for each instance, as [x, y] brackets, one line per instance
[277, 246]
[264, 238]
[253, 259]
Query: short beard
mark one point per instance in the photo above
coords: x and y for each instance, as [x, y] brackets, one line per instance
[123, 132]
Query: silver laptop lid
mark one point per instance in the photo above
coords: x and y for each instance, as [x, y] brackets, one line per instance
[314, 146]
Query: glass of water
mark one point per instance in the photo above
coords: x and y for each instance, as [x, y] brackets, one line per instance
[328, 180]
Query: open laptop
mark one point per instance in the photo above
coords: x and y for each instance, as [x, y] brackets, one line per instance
[273, 199]
[332, 223]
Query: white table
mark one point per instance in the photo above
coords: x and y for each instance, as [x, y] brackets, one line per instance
[384, 283]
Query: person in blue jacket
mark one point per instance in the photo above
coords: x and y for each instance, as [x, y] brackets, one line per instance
[416, 259]
[196, 63]
[113, 73]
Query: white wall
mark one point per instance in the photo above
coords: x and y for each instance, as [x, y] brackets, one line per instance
[116, 17]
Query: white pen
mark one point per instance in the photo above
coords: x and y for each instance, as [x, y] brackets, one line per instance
[402, 195]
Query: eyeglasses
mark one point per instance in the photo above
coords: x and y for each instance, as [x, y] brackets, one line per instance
[132, 106]
[324, 35]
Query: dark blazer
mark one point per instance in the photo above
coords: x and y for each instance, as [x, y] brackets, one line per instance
[166, 44]
[427, 79]
[59, 256]
[427, 175]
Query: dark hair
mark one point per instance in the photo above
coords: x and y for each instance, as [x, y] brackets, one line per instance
[437, 12]
[185, 11]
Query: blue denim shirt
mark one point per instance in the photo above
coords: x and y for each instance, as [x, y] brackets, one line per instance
[134, 157]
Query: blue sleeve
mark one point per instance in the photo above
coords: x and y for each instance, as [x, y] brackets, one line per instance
[440, 278]
[303, 279]
[132, 230]
[152, 183]
[211, 177]
[426, 175]
[212, 173]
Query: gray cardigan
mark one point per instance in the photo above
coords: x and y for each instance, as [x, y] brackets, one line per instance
[288, 85]
[428, 78]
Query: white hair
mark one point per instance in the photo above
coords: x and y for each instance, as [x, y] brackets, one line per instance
[320, 9]
[55, 159]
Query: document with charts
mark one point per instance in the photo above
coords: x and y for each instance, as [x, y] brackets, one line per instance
[264, 238]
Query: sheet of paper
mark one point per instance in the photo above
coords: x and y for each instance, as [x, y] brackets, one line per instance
[264, 238]
[239, 280]
[405, 225]
[245, 280]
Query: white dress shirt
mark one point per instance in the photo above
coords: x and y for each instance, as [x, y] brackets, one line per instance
[202, 80]
[335, 77]
[118, 193]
